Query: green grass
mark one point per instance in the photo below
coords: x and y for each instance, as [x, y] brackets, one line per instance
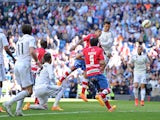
[78, 110]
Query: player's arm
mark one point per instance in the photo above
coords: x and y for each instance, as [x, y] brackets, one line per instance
[148, 60]
[102, 61]
[5, 44]
[9, 53]
[102, 64]
[131, 65]
[78, 43]
[34, 55]
[80, 56]
[108, 44]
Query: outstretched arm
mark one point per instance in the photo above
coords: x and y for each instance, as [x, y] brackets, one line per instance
[34, 55]
[9, 53]
[78, 43]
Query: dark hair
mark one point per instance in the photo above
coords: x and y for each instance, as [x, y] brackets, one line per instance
[107, 22]
[46, 57]
[43, 44]
[94, 41]
[96, 29]
[26, 29]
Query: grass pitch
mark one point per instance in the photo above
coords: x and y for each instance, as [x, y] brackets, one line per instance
[75, 109]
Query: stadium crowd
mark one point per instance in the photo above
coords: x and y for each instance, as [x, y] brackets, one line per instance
[63, 24]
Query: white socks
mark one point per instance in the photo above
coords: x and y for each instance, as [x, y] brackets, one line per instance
[37, 107]
[143, 93]
[19, 105]
[58, 97]
[135, 91]
[106, 91]
[21, 95]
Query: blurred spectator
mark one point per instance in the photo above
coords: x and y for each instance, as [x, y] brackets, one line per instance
[124, 88]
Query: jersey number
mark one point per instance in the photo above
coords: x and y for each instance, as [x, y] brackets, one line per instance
[20, 48]
[91, 59]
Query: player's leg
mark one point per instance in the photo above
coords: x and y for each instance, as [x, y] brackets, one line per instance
[19, 108]
[81, 64]
[2, 77]
[101, 97]
[23, 77]
[34, 70]
[41, 106]
[57, 91]
[42, 103]
[136, 89]
[143, 90]
[36, 101]
[77, 64]
[66, 74]
[40, 93]
[84, 87]
[55, 105]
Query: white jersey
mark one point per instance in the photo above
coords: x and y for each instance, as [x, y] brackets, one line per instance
[46, 76]
[22, 48]
[139, 62]
[3, 43]
[106, 41]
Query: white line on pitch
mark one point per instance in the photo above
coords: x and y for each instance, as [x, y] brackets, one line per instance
[77, 112]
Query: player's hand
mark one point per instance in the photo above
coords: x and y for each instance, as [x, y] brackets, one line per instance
[14, 60]
[38, 64]
[109, 55]
[59, 83]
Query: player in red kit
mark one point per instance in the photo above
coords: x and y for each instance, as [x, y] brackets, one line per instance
[94, 60]
[79, 63]
[42, 50]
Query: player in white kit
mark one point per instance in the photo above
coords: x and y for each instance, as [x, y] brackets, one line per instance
[3, 45]
[25, 50]
[45, 84]
[106, 40]
[140, 63]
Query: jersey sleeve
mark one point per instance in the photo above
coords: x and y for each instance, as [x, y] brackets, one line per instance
[32, 42]
[87, 38]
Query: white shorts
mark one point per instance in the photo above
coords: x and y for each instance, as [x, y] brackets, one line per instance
[23, 74]
[42, 92]
[2, 72]
[140, 78]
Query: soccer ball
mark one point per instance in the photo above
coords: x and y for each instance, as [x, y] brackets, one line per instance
[146, 23]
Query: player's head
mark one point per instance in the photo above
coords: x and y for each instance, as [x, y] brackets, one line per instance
[26, 29]
[47, 58]
[94, 41]
[98, 32]
[140, 49]
[106, 25]
[43, 44]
